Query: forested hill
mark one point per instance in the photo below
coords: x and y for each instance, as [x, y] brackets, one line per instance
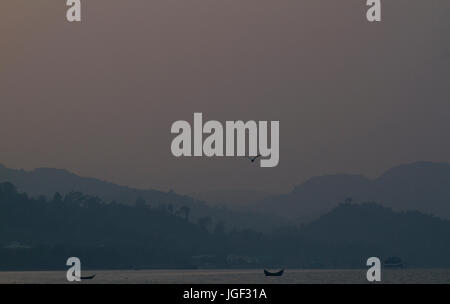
[423, 186]
[42, 233]
[47, 181]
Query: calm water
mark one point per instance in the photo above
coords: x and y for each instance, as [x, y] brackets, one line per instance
[235, 276]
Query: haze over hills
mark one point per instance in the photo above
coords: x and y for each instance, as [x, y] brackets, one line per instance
[47, 181]
[234, 198]
[423, 186]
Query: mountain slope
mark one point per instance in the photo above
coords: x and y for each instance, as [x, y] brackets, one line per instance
[47, 181]
[422, 186]
[41, 234]
[231, 198]
[372, 230]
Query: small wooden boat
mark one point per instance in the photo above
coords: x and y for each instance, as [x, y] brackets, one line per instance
[273, 274]
[88, 277]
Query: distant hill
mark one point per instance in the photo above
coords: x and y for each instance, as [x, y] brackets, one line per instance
[47, 181]
[232, 198]
[422, 186]
[41, 233]
[370, 229]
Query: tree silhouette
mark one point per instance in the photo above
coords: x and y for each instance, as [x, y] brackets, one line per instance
[140, 202]
[186, 212]
[7, 189]
[57, 198]
[219, 229]
[204, 222]
[170, 208]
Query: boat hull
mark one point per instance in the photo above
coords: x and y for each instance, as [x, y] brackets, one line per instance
[273, 274]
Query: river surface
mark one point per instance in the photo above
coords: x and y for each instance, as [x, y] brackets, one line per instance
[234, 276]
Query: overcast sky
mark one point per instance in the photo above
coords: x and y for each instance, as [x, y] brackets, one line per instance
[98, 98]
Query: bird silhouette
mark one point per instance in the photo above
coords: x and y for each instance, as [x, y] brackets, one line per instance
[253, 158]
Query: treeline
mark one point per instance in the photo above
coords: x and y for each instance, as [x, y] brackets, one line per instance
[41, 233]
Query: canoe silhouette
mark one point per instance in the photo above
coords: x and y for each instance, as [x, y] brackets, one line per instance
[88, 277]
[273, 274]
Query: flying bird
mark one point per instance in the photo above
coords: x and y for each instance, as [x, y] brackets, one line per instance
[252, 159]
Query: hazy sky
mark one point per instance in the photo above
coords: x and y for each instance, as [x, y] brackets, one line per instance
[98, 98]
